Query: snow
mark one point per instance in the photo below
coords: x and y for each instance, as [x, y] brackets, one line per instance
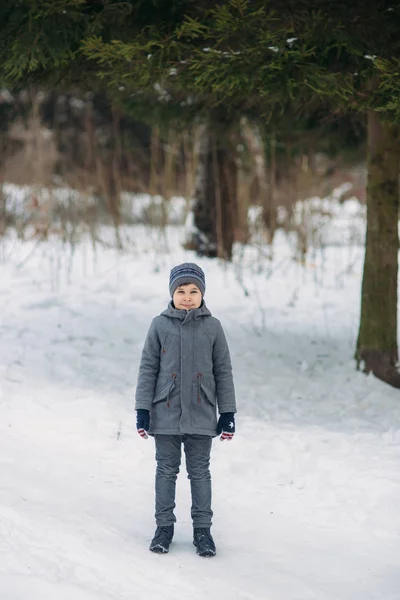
[328, 222]
[18, 198]
[306, 496]
[135, 208]
[323, 222]
[145, 208]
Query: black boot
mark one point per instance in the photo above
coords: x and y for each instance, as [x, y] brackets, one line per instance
[162, 539]
[203, 541]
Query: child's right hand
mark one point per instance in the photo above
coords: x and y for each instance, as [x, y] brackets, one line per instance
[142, 422]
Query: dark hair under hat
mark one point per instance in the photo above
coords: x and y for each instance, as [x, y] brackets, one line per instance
[187, 273]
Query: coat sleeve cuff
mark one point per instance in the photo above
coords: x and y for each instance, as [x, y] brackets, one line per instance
[227, 409]
[142, 405]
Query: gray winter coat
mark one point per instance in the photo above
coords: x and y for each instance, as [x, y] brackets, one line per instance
[185, 373]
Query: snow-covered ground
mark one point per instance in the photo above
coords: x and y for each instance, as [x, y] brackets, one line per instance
[306, 497]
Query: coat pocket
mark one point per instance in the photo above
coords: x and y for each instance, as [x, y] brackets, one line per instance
[209, 395]
[204, 413]
[163, 393]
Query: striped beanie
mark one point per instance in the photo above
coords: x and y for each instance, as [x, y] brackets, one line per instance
[187, 273]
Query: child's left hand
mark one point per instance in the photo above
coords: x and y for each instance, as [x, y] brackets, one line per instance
[226, 426]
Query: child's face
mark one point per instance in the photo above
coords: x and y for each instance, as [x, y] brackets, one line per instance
[187, 297]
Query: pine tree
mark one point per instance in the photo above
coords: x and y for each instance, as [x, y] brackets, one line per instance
[242, 53]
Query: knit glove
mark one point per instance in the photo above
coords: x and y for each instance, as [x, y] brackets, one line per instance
[142, 422]
[226, 426]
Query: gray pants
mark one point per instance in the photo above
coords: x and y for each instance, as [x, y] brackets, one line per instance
[168, 456]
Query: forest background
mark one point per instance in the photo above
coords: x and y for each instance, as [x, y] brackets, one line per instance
[244, 110]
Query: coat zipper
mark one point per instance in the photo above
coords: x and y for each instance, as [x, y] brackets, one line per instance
[199, 376]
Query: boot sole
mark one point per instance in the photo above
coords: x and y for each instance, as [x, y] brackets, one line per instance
[206, 553]
[159, 549]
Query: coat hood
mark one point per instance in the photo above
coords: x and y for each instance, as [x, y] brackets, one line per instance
[196, 313]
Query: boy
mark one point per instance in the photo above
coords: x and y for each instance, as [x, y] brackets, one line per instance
[185, 375]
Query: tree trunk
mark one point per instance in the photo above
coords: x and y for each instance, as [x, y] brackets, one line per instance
[203, 237]
[226, 178]
[269, 199]
[215, 197]
[3, 210]
[377, 338]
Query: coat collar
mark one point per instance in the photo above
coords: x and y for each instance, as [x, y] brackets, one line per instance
[185, 315]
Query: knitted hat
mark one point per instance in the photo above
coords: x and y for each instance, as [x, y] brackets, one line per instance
[187, 273]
